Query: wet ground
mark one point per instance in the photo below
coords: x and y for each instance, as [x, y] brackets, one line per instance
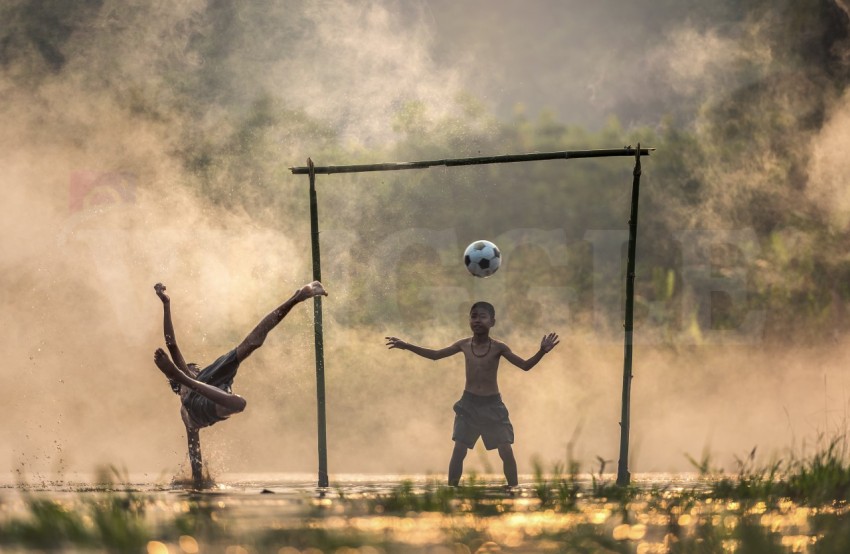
[368, 514]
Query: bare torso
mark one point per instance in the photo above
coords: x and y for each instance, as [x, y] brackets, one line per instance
[482, 365]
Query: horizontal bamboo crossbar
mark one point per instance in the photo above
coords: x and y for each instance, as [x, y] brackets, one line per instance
[509, 158]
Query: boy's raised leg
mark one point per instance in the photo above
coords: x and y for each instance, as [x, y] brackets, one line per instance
[257, 336]
[456, 464]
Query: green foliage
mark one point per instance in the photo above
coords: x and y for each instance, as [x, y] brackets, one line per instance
[557, 491]
[817, 479]
[404, 498]
[823, 477]
[746, 536]
[734, 155]
[198, 521]
[556, 513]
[50, 526]
[119, 521]
[111, 520]
[470, 496]
[322, 539]
[833, 530]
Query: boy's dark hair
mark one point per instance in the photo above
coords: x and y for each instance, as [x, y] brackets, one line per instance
[485, 306]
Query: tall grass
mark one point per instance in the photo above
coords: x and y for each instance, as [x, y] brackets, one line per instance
[823, 477]
[107, 519]
[820, 478]
[571, 512]
[560, 489]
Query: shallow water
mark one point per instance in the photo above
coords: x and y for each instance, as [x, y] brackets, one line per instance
[369, 514]
[303, 482]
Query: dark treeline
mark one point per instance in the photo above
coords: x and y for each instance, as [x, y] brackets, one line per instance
[733, 157]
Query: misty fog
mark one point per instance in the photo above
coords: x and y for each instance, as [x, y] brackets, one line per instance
[145, 142]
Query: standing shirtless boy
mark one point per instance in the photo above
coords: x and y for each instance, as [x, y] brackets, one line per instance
[205, 396]
[480, 411]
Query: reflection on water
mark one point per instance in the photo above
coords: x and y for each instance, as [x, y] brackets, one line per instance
[390, 513]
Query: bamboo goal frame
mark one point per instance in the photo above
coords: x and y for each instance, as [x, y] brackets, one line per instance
[311, 170]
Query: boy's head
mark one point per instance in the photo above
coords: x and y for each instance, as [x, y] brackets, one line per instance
[482, 316]
[486, 306]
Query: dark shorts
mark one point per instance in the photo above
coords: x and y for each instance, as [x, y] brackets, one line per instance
[219, 374]
[482, 416]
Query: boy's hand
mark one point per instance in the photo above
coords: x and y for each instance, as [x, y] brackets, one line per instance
[393, 342]
[549, 342]
[160, 291]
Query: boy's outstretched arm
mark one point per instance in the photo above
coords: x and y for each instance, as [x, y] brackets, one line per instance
[546, 345]
[168, 328]
[393, 342]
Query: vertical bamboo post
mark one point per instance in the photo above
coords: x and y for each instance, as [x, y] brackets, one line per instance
[623, 475]
[317, 327]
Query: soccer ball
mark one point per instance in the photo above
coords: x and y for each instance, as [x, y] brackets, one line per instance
[482, 258]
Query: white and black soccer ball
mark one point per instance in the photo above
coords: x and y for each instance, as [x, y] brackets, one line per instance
[482, 258]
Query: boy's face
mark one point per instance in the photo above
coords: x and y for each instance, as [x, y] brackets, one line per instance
[480, 321]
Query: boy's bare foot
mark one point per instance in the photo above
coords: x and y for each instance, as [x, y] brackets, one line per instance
[165, 365]
[160, 291]
[310, 290]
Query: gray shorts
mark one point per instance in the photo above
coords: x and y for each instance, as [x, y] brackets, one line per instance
[219, 374]
[482, 416]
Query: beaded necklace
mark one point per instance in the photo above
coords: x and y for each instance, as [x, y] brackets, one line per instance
[472, 347]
